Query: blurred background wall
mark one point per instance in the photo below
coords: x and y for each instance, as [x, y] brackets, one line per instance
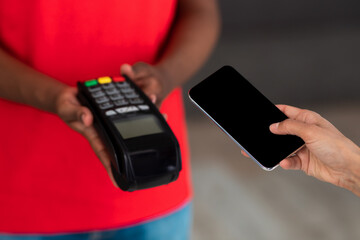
[302, 53]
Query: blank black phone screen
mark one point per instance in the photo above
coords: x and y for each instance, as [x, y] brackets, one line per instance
[245, 114]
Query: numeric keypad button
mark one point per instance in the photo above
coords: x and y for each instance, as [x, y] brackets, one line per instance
[94, 88]
[102, 99]
[106, 105]
[97, 94]
[143, 107]
[116, 96]
[112, 91]
[122, 84]
[136, 101]
[110, 113]
[108, 86]
[132, 95]
[120, 103]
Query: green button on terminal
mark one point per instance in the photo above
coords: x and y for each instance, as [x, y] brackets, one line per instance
[91, 83]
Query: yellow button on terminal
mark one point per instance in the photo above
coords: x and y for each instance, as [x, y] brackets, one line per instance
[103, 80]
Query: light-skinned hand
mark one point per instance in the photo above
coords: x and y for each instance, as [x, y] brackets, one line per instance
[328, 155]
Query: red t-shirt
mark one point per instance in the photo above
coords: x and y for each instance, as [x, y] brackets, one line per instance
[50, 179]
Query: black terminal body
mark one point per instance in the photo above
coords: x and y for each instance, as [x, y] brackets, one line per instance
[144, 151]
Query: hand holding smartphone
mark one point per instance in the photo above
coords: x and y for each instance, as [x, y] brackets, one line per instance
[245, 115]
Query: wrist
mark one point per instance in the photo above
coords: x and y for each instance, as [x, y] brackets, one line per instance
[167, 78]
[353, 181]
[62, 95]
[39, 91]
[51, 95]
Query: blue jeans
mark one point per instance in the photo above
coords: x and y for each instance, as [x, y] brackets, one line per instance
[176, 226]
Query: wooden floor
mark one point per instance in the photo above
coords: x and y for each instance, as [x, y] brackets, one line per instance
[235, 199]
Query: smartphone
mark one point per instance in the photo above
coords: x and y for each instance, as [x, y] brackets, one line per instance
[244, 114]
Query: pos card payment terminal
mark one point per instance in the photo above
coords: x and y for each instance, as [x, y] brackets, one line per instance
[144, 151]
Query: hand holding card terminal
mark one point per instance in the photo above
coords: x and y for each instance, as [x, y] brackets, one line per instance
[144, 151]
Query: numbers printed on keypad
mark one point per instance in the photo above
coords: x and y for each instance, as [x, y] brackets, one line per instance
[115, 96]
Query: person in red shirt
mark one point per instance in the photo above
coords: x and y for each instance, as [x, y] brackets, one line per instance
[51, 179]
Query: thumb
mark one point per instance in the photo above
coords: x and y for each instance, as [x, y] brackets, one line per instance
[71, 113]
[86, 116]
[127, 69]
[293, 127]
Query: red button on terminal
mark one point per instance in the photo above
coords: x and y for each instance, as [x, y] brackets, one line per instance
[118, 79]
